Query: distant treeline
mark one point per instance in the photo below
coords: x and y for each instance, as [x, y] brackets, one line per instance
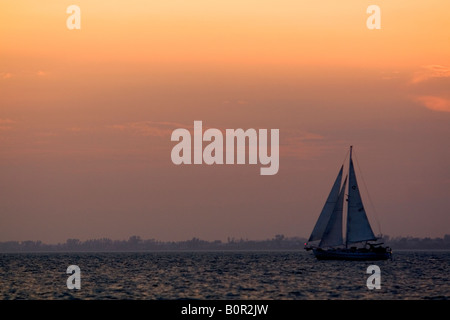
[135, 243]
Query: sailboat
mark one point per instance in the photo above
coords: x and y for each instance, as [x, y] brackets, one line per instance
[327, 240]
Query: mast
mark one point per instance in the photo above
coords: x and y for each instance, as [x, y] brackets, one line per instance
[346, 226]
[358, 226]
[351, 149]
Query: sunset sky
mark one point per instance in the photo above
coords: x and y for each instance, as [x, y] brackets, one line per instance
[86, 115]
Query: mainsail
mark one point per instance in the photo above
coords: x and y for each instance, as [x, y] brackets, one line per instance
[333, 232]
[358, 226]
[327, 209]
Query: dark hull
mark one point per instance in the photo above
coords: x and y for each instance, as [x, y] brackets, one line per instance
[349, 254]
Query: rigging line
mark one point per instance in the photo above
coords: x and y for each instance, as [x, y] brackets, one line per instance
[343, 164]
[368, 194]
[345, 206]
[345, 158]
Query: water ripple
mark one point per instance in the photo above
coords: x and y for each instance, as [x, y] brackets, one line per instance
[221, 275]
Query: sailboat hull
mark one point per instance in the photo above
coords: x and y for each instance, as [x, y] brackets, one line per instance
[351, 254]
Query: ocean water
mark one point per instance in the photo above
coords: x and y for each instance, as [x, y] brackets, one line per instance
[294, 275]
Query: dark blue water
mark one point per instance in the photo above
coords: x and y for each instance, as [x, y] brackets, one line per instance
[221, 275]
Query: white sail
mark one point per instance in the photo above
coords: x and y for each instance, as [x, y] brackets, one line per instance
[333, 232]
[327, 209]
[358, 226]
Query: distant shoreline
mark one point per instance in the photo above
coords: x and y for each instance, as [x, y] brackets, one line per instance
[300, 250]
[136, 244]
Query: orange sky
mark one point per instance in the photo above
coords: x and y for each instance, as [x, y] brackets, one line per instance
[86, 115]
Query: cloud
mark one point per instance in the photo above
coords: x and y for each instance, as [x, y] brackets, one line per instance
[5, 128]
[234, 103]
[6, 124]
[149, 128]
[435, 103]
[430, 72]
[6, 75]
[79, 129]
[22, 74]
[6, 121]
[301, 145]
[389, 75]
[429, 87]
